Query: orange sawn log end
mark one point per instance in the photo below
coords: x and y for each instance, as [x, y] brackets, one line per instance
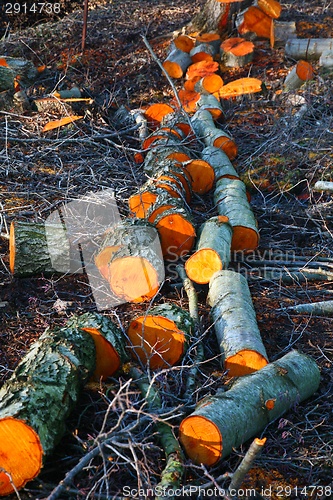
[304, 70]
[244, 238]
[201, 266]
[177, 234]
[202, 174]
[156, 112]
[201, 439]
[157, 339]
[244, 363]
[21, 454]
[107, 359]
[256, 21]
[140, 203]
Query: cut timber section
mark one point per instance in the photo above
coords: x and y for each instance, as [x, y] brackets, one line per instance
[163, 202]
[177, 63]
[176, 231]
[30, 253]
[184, 43]
[156, 112]
[236, 52]
[307, 48]
[202, 68]
[231, 200]
[271, 7]
[220, 162]
[160, 337]
[225, 421]
[212, 250]
[202, 52]
[202, 175]
[235, 324]
[254, 20]
[135, 269]
[208, 84]
[43, 390]
[204, 126]
[240, 87]
[301, 73]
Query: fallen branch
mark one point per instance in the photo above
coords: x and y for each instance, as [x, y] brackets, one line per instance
[323, 186]
[323, 308]
[246, 464]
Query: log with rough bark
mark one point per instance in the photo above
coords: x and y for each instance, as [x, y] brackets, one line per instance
[157, 156]
[236, 52]
[163, 135]
[176, 231]
[130, 260]
[301, 73]
[160, 336]
[202, 52]
[218, 15]
[235, 324]
[140, 202]
[231, 200]
[177, 63]
[307, 48]
[212, 252]
[44, 388]
[38, 248]
[225, 421]
[12, 69]
[204, 126]
[163, 202]
[212, 38]
[220, 162]
[193, 101]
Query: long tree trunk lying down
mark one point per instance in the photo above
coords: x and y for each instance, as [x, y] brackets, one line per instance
[235, 324]
[225, 421]
[220, 162]
[130, 259]
[44, 389]
[160, 337]
[38, 248]
[212, 250]
[308, 48]
[231, 200]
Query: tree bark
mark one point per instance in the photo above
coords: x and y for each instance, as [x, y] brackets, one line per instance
[217, 16]
[225, 421]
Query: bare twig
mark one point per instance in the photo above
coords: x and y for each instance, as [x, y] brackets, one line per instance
[245, 465]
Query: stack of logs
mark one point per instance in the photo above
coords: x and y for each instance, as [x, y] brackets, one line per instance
[91, 346]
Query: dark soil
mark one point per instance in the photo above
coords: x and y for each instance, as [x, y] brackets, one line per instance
[279, 160]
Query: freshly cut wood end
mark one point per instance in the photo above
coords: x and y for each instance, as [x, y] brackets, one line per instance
[237, 46]
[304, 70]
[140, 203]
[244, 238]
[202, 175]
[173, 69]
[208, 84]
[177, 233]
[201, 266]
[201, 69]
[107, 359]
[184, 43]
[201, 439]
[208, 37]
[103, 258]
[239, 87]
[227, 145]
[156, 112]
[256, 21]
[260, 442]
[133, 279]
[244, 363]
[271, 7]
[156, 340]
[189, 100]
[21, 455]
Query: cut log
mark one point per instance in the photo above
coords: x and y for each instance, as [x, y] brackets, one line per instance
[177, 63]
[184, 43]
[190, 84]
[172, 176]
[202, 175]
[322, 308]
[135, 270]
[271, 7]
[163, 202]
[176, 231]
[38, 248]
[139, 203]
[202, 68]
[210, 103]
[159, 337]
[236, 52]
[240, 87]
[159, 156]
[323, 186]
[231, 201]
[208, 84]
[283, 31]
[225, 421]
[212, 250]
[12, 69]
[44, 388]
[211, 38]
[220, 162]
[235, 324]
[301, 73]
[188, 100]
[181, 123]
[326, 60]
[156, 112]
[165, 134]
[307, 48]
[202, 52]
[204, 126]
[254, 21]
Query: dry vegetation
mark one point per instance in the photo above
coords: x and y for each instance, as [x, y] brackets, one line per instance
[111, 435]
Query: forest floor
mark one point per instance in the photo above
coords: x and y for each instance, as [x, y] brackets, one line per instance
[279, 159]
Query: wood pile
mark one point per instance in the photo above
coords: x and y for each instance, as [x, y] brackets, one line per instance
[188, 153]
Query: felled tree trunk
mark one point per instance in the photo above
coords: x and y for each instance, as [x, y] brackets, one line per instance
[235, 324]
[218, 16]
[220, 162]
[130, 259]
[236, 52]
[212, 250]
[202, 175]
[231, 200]
[44, 389]
[160, 337]
[225, 421]
[176, 231]
[38, 248]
